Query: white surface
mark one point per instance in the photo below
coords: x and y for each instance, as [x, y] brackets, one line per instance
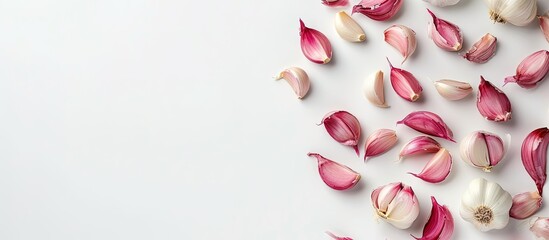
[161, 120]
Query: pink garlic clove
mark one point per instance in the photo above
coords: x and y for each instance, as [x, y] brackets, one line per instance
[343, 127]
[534, 156]
[338, 238]
[492, 103]
[428, 123]
[531, 70]
[298, 80]
[405, 84]
[335, 175]
[525, 205]
[482, 149]
[419, 145]
[453, 90]
[379, 10]
[315, 45]
[440, 224]
[444, 34]
[544, 25]
[482, 50]
[396, 203]
[437, 169]
[402, 39]
[540, 227]
[335, 3]
[379, 142]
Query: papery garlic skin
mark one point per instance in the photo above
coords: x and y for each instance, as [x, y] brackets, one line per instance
[442, 3]
[397, 204]
[534, 156]
[453, 90]
[335, 3]
[379, 142]
[335, 175]
[531, 70]
[540, 227]
[444, 34]
[440, 224]
[437, 169]
[419, 145]
[374, 89]
[482, 149]
[525, 205]
[315, 45]
[402, 38]
[405, 84]
[482, 50]
[343, 127]
[516, 12]
[348, 28]
[298, 80]
[428, 123]
[486, 205]
[379, 10]
[544, 25]
[492, 103]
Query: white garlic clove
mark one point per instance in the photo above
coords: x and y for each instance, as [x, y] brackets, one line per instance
[348, 28]
[453, 90]
[298, 80]
[402, 38]
[374, 90]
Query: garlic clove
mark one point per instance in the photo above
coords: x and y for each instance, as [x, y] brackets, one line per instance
[437, 169]
[374, 90]
[298, 80]
[482, 50]
[402, 39]
[540, 227]
[380, 142]
[482, 149]
[348, 28]
[525, 205]
[531, 70]
[544, 25]
[379, 10]
[343, 127]
[419, 145]
[335, 3]
[492, 103]
[453, 90]
[440, 224]
[534, 156]
[315, 45]
[405, 84]
[428, 123]
[335, 175]
[442, 3]
[444, 34]
[338, 238]
[396, 203]
[518, 13]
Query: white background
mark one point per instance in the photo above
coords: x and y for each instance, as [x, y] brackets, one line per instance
[160, 119]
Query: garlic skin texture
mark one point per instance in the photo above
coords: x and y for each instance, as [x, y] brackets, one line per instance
[335, 3]
[437, 169]
[525, 205]
[482, 50]
[315, 45]
[402, 38]
[534, 156]
[343, 127]
[486, 205]
[531, 70]
[396, 203]
[298, 80]
[516, 12]
[544, 25]
[492, 103]
[374, 89]
[405, 84]
[444, 34]
[453, 90]
[540, 227]
[348, 28]
[482, 149]
[379, 142]
[335, 175]
[442, 3]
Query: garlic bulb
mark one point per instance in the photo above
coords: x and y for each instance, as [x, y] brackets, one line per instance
[516, 12]
[396, 203]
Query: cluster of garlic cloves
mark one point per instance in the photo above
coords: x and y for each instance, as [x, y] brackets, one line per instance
[482, 50]
[419, 145]
[492, 103]
[482, 150]
[335, 3]
[531, 70]
[343, 127]
[428, 123]
[517, 12]
[525, 205]
[348, 28]
[453, 90]
[402, 38]
[534, 156]
[335, 175]
[379, 10]
[444, 34]
[379, 142]
[440, 224]
[405, 84]
[396, 203]
[315, 45]
[374, 89]
[437, 169]
[298, 80]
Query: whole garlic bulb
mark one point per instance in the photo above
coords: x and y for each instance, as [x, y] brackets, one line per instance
[516, 12]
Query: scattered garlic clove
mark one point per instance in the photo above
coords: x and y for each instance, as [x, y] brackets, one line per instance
[525, 205]
[518, 12]
[442, 3]
[379, 10]
[335, 175]
[379, 142]
[298, 80]
[343, 127]
[315, 45]
[440, 224]
[482, 150]
[531, 70]
[419, 145]
[534, 156]
[453, 90]
[405, 84]
[402, 39]
[486, 205]
[428, 123]
[437, 169]
[335, 3]
[396, 203]
[338, 238]
[540, 227]
[374, 90]
[492, 103]
[444, 34]
[482, 50]
[544, 25]
[348, 28]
